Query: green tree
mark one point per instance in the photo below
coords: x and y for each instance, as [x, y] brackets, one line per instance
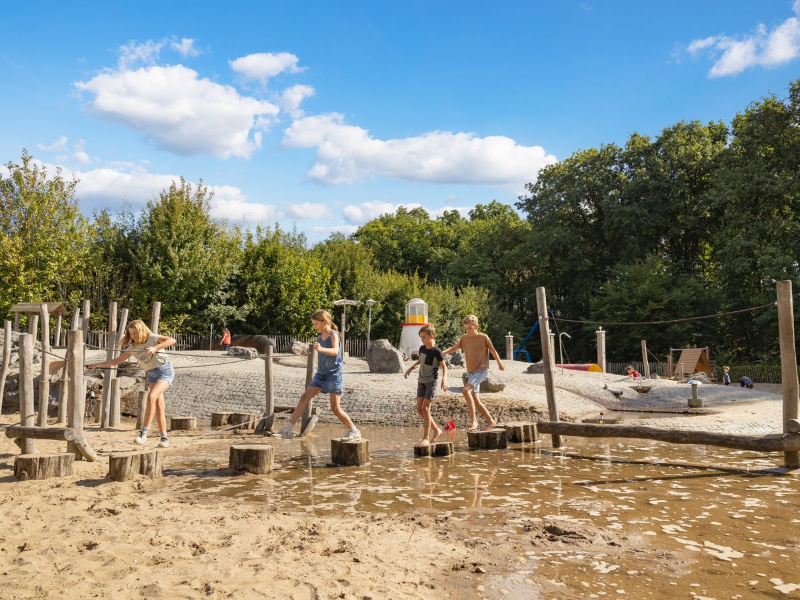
[44, 239]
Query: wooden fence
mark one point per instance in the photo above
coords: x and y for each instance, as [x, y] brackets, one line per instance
[656, 368]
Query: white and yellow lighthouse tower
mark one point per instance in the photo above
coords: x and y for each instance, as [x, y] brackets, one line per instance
[416, 317]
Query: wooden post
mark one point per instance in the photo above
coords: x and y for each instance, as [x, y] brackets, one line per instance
[114, 405]
[116, 409]
[101, 409]
[57, 340]
[33, 326]
[44, 377]
[553, 349]
[350, 453]
[26, 389]
[310, 368]
[142, 408]
[6, 359]
[645, 362]
[547, 361]
[253, 458]
[76, 314]
[16, 322]
[63, 396]
[77, 387]
[680, 372]
[269, 389]
[509, 347]
[87, 310]
[669, 365]
[601, 349]
[155, 317]
[788, 364]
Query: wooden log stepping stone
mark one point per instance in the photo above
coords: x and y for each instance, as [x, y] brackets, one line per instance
[219, 419]
[246, 420]
[123, 466]
[43, 466]
[254, 458]
[434, 449]
[520, 432]
[183, 423]
[349, 453]
[494, 439]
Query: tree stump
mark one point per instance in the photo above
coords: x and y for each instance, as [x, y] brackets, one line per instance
[42, 466]
[434, 449]
[254, 458]
[183, 423]
[218, 419]
[350, 453]
[494, 439]
[125, 465]
[246, 420]
[520, 432]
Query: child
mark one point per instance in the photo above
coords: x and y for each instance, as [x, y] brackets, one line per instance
[328, 378]
[746, 382]
[476, 347]
[632, 372]
[226, 339]
[726, 375]
[147, 348]
[430, 358]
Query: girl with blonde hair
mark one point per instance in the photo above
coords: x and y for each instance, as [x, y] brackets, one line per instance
[328, 378]
[148, 350]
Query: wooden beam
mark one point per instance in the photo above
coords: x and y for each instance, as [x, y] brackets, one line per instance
[6, 360]
[155, 317]
[765, 443]
[102, 408]
[547, 360]
[26, 389]
[44, 377]
[63, 434]
[645, 362]
[788, 364]
[77, 387]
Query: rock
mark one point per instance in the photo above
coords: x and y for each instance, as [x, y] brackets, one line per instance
[298, 348]
[455, 360]
[702, 377]
[382, 357]
[126, 382]
[414, 355]
[537, 368]
[242, 352]
[490, 385]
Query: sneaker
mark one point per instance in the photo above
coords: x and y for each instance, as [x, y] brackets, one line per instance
[164, 443]
[286, 431]
[141, 438]
[353, 434]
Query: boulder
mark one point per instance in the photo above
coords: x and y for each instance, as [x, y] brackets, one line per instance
[536, 368]
[701, 377]
[242, 352]
[490, 385]
[382, 357]
[455, 360]
[297, 348]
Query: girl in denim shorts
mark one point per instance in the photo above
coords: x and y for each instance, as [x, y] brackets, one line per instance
[328, 378]
[148, 350]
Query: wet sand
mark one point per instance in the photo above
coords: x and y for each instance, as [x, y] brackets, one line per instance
[595, 519]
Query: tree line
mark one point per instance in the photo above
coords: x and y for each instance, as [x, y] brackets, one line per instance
[701, 219]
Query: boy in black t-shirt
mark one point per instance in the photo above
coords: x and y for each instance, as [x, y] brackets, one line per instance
[429, 361]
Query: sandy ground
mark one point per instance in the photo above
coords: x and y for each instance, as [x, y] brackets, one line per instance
[85, 535]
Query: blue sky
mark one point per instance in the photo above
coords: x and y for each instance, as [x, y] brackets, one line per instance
[324, 115]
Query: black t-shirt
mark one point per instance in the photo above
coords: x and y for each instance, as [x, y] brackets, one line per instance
[429, 359]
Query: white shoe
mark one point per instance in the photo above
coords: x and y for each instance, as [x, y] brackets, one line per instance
[353, 434]
[164, 443]
[140, 439]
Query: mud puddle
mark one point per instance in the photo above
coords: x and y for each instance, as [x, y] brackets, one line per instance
[591, 520]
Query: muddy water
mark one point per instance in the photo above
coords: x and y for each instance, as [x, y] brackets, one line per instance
[594, 519]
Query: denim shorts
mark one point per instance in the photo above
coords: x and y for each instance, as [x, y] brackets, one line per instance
[331, 383]
[475, 379]
[163, 372]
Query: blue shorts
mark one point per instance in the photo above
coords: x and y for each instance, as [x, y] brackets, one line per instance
[475, 378]
[331, 383]
[163, 372]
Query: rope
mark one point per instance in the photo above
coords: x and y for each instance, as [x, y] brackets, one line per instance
[172, 353]
[714, 316]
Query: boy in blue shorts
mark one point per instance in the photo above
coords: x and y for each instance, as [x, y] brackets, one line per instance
[429, 361]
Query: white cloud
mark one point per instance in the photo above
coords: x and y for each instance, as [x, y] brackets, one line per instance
[347, 153]
[291, 98]
[133, 53]
[308, 210]
[185, 47]
[264, 65]
[60, 145]
[180, 111]
[238, 210]
[80, 153]
[763, 48]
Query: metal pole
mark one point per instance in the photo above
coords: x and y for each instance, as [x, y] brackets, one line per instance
[369, 325]
[210, 336]
[344, 327]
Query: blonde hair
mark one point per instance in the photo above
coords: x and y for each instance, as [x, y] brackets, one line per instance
[324, 316]
[429, 329]
[142, 333]
[470, 320]
[726, 368]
